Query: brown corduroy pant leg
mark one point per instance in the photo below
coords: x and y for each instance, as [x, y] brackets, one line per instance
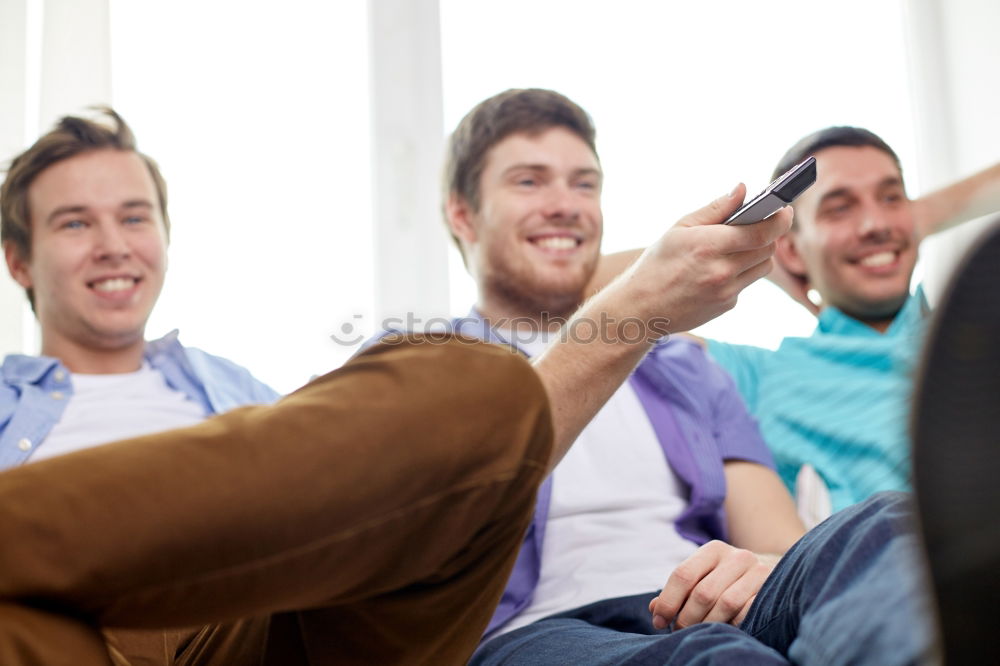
[370, 517]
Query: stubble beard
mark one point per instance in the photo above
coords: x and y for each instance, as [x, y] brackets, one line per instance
[524, 293]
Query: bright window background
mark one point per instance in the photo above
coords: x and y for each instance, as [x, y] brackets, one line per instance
[258, 115]
[689, 99]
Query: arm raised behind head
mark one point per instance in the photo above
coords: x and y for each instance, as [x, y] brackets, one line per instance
[964, 200]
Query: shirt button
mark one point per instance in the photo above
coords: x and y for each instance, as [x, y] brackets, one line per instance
[60, 375]
[24, 444]
[57, 395]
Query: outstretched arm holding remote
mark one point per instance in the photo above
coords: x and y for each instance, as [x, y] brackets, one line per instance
[692, 274]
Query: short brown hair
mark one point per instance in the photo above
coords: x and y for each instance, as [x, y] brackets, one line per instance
[530, 111]
[832, 137]
[70, 137]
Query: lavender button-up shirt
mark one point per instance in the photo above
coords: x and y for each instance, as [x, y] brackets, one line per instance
[700, 421]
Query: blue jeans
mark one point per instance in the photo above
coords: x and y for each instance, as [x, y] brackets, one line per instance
[850, 591]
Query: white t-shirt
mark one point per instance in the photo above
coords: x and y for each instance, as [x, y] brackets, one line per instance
[610, 530]
[107, 408]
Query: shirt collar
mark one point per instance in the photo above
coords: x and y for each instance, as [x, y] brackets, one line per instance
[834, 321]
[474, 325]
[165, 345]
[24, 369]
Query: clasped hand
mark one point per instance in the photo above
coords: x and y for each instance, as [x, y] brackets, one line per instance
[718, 583]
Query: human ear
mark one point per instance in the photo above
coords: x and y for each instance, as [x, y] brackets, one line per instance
[17, 265]
[459, 214]
[788, 257]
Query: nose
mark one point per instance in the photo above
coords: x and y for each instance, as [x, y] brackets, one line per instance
[874, 222]
[111, 243]
[560, 202]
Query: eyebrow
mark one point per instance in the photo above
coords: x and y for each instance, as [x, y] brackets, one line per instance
[137, 203]
[889, 181]
[75, 209]
[544, 167]
[63, 210]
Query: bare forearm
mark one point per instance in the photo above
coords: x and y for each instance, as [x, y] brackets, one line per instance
[610, 266]
[959, 202]
[692, 274]
[760, 513]
[584, 369]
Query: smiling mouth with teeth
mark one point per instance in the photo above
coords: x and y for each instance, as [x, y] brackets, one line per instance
[878, 259]
[114, 284]
[556, 242]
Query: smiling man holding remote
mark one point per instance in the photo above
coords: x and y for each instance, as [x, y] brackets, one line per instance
[671, 480]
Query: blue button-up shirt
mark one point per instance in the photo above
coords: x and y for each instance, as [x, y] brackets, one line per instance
[838, 400]
[34, 391]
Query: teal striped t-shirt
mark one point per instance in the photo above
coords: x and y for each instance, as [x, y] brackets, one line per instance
[838, 400]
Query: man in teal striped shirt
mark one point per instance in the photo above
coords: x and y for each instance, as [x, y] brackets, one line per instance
[839, 399]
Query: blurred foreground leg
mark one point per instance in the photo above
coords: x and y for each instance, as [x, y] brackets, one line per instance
[32, 637]
[956, 457]
[387, 499]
